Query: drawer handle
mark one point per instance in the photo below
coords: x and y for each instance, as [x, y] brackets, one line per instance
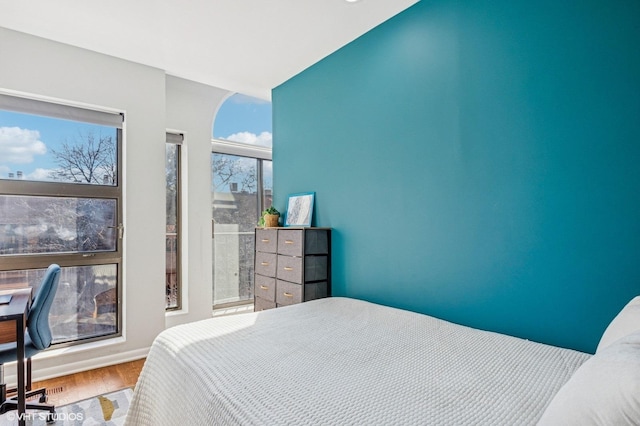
[288, 268]
[288, 241]
[264, 287]
[264, 263]
[287, 294]
[265, 240]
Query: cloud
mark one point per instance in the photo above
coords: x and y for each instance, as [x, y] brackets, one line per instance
[263, 139]
[19, 146]
[41, 174]
[56, 174]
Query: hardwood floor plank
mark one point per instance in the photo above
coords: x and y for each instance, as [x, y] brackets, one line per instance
[91, 383]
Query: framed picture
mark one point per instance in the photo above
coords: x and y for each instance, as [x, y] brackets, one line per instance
[299, 209]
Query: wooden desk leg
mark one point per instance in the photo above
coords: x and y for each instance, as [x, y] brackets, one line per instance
[20, 328]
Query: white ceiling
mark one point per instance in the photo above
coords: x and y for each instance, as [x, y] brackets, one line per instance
[246, 46]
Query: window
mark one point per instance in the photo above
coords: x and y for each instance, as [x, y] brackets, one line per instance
[244, 120]
[61, 202]
[242, 185]
[173, 234]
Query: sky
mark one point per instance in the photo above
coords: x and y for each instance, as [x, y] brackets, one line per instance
[26, 140]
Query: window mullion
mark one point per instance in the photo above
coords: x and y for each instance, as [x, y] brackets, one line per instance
[8, 263]
[54, 189]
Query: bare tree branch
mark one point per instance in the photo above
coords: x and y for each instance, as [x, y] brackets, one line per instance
[88, 159]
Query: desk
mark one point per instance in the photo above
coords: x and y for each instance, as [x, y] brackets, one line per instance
[17, 310]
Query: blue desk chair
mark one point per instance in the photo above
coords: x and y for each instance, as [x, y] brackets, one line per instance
[37, 338]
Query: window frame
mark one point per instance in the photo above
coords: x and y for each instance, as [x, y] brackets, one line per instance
[177, 138]
[13, 187]
[260, 154]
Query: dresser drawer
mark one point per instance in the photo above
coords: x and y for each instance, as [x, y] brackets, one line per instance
[314, 291]
[260, 304]
[266, 264]
[266, 240]
[316, 241]
[290, 269]
[288, 293]
[265, 288]
[290, 242]
[315, 268]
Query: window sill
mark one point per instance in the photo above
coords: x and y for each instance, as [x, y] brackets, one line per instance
[176, 313]
[56, 352]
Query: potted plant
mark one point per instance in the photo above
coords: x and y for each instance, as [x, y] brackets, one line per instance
[269, 218]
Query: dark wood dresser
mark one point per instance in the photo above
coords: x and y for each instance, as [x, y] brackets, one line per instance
[292, 265]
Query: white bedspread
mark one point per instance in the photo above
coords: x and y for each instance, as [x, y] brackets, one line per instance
[339, 361]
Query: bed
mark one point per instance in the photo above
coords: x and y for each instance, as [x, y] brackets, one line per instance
[340, 361]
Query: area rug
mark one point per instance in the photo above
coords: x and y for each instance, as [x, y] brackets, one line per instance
[109, 409]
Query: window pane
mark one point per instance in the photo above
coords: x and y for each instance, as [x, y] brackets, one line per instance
[30, 224]
[85, 303]
[173, 295]
[267, 183]
[244, 119]
[235, 213]
[38, 148]
[172, 283]
[171, 168]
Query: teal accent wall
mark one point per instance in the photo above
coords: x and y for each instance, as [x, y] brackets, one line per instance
[479, 161]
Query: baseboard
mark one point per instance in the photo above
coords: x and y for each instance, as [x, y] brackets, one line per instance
[67, 368]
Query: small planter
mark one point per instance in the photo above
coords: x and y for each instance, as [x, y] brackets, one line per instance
[271, 220]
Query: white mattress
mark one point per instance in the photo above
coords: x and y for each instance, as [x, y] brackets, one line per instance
[339, 361]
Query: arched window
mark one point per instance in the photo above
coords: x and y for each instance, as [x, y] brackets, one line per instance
[245, 120]
[241, 185]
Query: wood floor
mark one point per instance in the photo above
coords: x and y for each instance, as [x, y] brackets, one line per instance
[67, 389]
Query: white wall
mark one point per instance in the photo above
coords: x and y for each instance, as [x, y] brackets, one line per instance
[190, 109]
[152, 102]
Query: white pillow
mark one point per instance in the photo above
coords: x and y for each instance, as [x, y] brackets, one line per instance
[605, 390]
[626, 322]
